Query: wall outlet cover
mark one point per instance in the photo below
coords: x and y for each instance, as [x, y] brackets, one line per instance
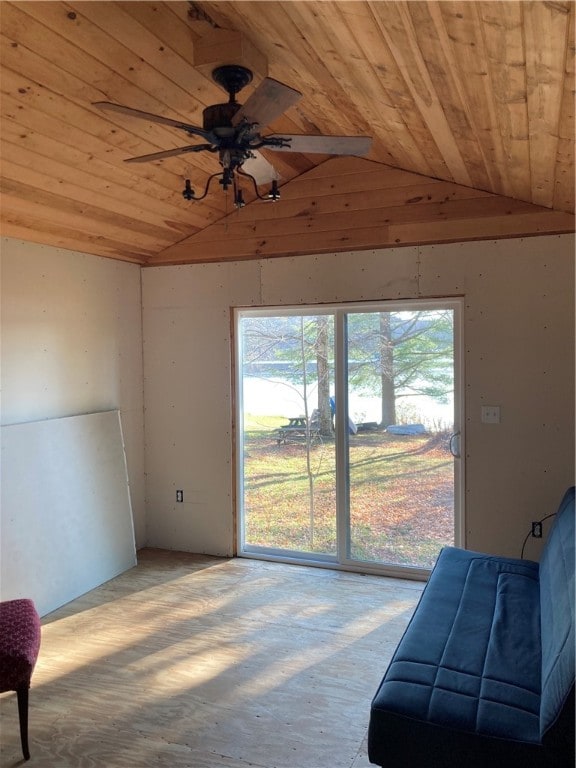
[490, 414]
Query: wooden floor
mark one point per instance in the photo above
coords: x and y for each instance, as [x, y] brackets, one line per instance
[203, 662]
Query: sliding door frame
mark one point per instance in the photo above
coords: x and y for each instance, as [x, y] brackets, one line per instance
[343, 561]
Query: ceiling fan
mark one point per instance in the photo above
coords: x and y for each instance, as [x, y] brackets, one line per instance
[233, 131]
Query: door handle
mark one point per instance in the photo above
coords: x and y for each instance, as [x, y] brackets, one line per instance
[455, 445]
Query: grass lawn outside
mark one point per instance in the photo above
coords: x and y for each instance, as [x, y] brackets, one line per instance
[401, 494]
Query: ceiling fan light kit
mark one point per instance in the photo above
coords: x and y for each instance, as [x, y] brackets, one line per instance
[233, 130]
[231, 179]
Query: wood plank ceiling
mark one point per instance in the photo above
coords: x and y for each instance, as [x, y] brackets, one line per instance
[470, 106]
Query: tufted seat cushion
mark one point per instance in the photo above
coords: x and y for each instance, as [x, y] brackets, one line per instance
[19, 642]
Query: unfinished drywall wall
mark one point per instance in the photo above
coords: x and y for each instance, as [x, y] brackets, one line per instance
[519, 339]
[519, 354]
[188, 395]
[72, 344]
[66, 524]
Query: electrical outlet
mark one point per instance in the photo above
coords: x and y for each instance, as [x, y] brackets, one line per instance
[490, 414]
[537, 530]
[179, 495]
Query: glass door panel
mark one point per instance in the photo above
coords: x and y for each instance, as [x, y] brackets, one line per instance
[400, 373]
[288, 447]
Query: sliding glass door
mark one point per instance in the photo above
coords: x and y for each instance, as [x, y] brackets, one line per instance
[348, 433]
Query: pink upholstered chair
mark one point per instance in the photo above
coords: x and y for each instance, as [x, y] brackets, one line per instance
[19, 646]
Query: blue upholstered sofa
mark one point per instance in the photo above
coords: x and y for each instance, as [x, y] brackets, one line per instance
[484, 674]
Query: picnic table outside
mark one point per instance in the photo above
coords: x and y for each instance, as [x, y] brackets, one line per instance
[296, 429]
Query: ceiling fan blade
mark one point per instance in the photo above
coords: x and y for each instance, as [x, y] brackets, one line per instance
[192, 129]
[262, 170]
[326, 145]
[169, 153]
[269, 101]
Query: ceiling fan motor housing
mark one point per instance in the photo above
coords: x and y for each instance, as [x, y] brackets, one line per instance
[219, 116]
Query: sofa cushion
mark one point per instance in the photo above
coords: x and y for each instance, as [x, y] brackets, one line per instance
[458, 665]
[557, 614]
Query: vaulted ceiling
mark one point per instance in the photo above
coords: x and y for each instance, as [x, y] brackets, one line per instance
[470, 106]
